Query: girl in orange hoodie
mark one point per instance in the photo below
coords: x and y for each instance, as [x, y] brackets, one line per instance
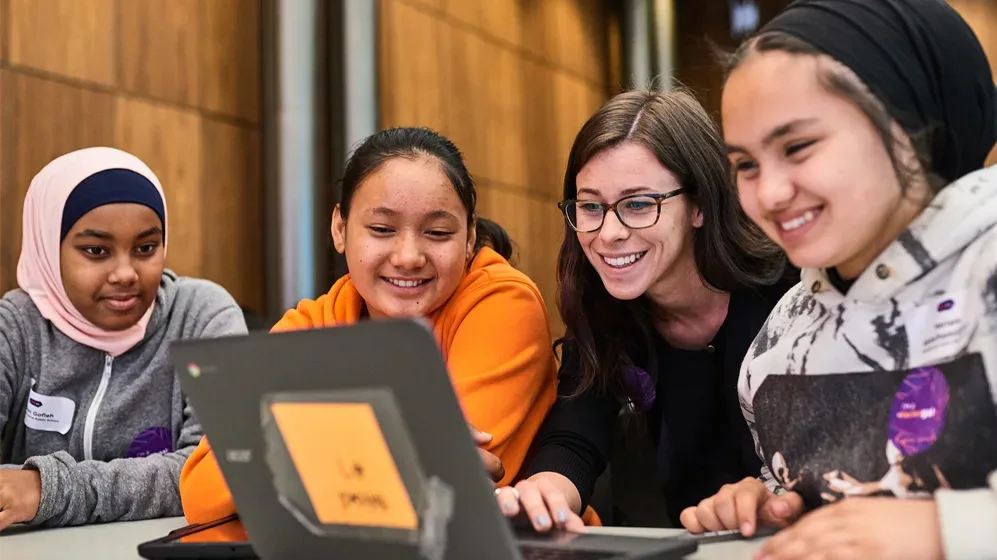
[414, 247]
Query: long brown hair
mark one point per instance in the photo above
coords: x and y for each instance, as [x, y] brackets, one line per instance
[729, 250]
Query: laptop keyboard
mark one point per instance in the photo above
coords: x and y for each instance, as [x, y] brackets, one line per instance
[537, 553]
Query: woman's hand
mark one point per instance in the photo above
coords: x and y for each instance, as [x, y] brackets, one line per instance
[20, 495]
[884, 528]
[491, 462]
[548, 499]
[741, 507]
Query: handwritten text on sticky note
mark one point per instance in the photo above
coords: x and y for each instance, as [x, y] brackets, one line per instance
[345, 464]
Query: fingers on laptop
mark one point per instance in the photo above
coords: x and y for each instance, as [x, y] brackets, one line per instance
[739, 507]
[542, 503]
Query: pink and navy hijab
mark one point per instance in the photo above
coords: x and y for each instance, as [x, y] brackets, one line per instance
[62, 192]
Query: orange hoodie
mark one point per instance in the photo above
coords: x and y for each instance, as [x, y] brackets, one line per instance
[496, 342]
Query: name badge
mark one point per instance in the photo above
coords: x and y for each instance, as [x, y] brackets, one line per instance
[49, 414]
[939, 330]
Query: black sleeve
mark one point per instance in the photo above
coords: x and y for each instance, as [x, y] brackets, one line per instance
[575, 438]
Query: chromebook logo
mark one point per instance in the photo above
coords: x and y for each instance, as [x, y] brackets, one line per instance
[193, 370]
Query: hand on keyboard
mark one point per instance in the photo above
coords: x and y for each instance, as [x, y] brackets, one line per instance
[540, 501]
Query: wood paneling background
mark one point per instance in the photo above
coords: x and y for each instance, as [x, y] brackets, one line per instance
[510, 82]
[177, 83]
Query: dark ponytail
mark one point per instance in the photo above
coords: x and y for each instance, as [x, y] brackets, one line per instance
[411, 142]
[493, 235]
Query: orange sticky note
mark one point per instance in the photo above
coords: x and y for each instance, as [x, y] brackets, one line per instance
[345, 464]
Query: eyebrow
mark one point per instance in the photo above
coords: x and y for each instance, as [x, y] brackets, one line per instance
[383, 211]
[434, 215]
[94, 233]
[625, 192]
[150, 232]
[777, 132]
[109, 237]
[440, 214]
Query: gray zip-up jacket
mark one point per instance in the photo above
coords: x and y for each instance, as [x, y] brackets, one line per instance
[109, 436]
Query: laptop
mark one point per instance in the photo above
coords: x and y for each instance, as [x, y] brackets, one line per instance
[349, 442]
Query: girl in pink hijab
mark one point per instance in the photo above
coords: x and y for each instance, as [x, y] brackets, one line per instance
[84, 378]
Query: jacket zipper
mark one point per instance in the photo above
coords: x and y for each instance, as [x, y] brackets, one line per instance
[105, 378]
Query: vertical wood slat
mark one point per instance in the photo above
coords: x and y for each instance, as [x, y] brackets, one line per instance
[5, 29]
[230, 58]
[9, 210]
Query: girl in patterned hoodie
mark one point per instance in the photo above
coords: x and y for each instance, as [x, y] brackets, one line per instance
[93, 426]
[858, 130]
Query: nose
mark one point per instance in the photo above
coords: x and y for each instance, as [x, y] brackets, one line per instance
[408, 253]
[613, 229]
[775, 190]
[124, 272]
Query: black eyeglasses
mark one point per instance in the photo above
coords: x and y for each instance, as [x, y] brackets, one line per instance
[637, 211]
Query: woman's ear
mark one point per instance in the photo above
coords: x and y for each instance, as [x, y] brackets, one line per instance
[338, 230]
[697, 217]
[472, 239]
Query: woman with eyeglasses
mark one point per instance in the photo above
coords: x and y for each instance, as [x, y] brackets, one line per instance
[664, 283]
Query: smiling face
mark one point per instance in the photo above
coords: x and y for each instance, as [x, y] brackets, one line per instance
[111, 263]
[406, 238]
[631, 262]
[812, 170]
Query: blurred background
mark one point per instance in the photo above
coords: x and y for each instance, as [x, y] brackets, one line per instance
[246, 109]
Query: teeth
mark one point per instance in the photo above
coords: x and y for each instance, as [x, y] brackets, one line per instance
[620, 262]
[799, 221]
[405, 283]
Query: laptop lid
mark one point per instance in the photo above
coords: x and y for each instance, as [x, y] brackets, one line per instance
[347, 434]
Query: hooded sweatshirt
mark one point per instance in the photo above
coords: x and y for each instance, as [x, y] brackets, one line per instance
[98, 413]
[889, 389]
[495, 340]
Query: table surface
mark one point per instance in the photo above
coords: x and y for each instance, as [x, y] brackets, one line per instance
[119, 541]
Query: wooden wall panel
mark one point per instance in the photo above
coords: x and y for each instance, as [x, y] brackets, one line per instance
[503, 106]
[175, 82]
[510, 82]
[468, 79]
[4, 29]
[463, 11]
[545, 173]
[8, 198]
[162, 51]
[70, 38]
[235, 209]
[501, 19]
[415, 48]
[230, 58]
[168, 140]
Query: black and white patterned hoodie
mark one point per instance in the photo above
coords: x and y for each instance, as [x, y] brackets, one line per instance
[889, 390]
